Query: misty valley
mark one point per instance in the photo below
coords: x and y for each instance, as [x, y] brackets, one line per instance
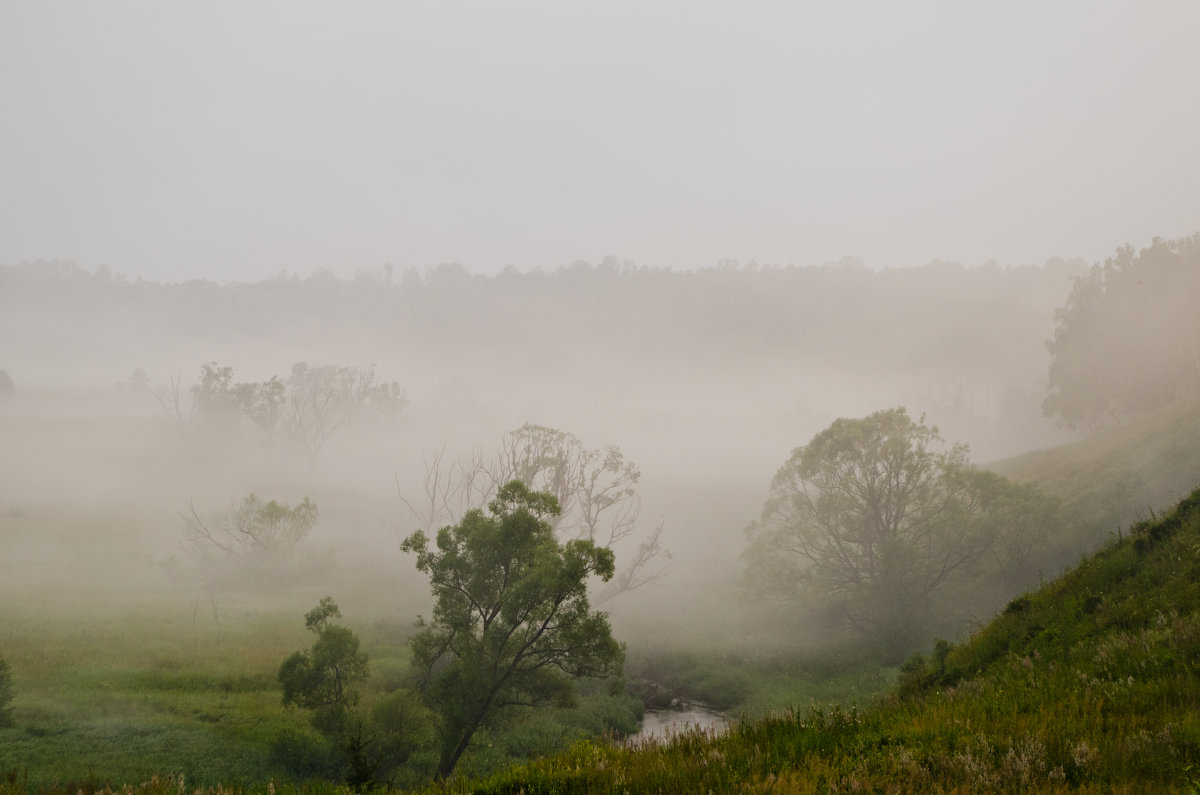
[603, 528]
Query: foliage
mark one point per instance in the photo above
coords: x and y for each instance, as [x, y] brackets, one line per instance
[1087, 685]
[1128, 338]
[511, 626]
[310, 405]
[365, 747]
[6, 694]
[324, 678]
[871, 520]
[251, 529]
[319, 401]
[596, 489]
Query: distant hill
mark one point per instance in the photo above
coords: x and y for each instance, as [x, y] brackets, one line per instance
[1090, 684]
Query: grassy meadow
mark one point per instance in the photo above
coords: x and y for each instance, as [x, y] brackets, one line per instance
[1089, 684]
[129, 673]
[114, 695]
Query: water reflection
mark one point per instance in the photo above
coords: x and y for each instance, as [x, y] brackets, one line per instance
[660, 724]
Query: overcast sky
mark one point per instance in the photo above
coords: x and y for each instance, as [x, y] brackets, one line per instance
[233, 140]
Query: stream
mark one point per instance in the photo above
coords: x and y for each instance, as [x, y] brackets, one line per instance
[660, 724]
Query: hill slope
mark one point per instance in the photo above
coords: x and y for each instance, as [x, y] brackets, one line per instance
[1090, 684]
[1119, 475]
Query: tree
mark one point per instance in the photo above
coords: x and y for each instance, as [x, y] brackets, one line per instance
[213, 400]
[309, 405]
[511, 624]
[262, 403]
[368, 744]
[1128, 339]
[872, 518]
[322, 400]
[596, 490]
[251, 530]
[324, 679]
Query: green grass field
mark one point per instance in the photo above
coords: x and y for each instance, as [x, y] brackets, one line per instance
[115, 696]
[125, 676]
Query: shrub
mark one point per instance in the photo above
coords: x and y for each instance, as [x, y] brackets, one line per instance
[6, 694]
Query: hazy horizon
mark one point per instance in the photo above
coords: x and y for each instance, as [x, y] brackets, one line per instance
[231, 142]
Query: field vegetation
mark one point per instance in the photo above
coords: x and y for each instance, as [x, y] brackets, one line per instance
[161, 544]
[1089, 684]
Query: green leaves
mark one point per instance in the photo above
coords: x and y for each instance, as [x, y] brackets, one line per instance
[323, 678]
[872, 519]
[512, 624]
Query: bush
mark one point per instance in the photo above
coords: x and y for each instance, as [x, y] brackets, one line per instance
[303, 756]
[6, 694]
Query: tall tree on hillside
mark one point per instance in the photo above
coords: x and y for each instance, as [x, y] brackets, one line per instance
[1128, 338]
[512, 625]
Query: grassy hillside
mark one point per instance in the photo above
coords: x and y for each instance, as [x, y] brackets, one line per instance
[1090, 684]
[1119, 475]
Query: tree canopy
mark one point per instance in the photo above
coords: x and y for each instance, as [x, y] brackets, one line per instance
[309, 406]
[266, 532]
[365, 746]
[511, 625]
[1128, 338]
[595, 488]
[874, 516]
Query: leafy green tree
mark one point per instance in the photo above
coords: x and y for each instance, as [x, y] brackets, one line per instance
[6, 694]
[511, 624]
[870, 520]
[324, 677]
[367, 747]
[596, 489]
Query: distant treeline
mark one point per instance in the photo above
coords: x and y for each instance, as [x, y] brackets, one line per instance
[942, 318]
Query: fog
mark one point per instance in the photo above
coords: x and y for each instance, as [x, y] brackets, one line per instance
[235, 141]
[705, 380]
[696, 232]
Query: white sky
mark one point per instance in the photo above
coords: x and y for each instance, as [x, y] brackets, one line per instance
[232, 140]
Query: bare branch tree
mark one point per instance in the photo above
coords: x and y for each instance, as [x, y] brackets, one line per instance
[170, 403]
[596, 491]
[322, 400]
[250, 529]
